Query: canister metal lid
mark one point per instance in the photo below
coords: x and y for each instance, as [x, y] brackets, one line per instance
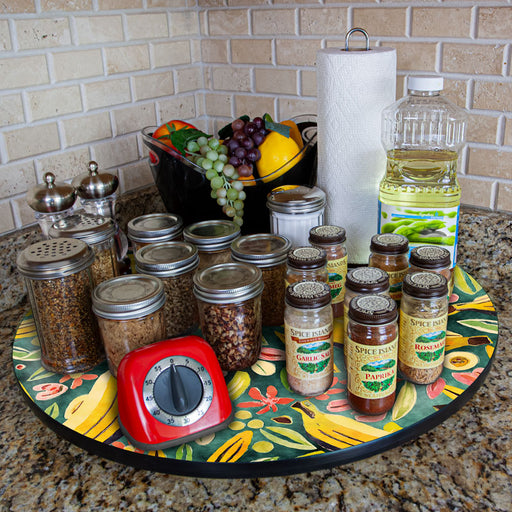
[155, 227]
[262, 250]
[51, 196]
[50, 259]
[367, 280]
[212, 235]
[430, 257]
[327, 234]
[389, 243]
[166, 259]
[308, 294]
[228, 282]
[92, 229]
[128, 297]
[373, 309]
[425, 285]
[296, 199]
[307, 258]
[95, 185]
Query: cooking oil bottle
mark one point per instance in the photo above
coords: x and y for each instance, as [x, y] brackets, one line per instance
[419, 196]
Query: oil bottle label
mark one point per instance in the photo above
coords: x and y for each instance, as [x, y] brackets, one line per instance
[337, 270]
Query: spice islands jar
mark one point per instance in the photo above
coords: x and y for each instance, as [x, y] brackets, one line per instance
[372, 345]
[306, 264]
[431, 258]
[154, 228]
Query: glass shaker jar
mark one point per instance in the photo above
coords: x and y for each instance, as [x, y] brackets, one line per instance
[153, 228]
[175, 264]
[130, 313]
[229, 300]
[332, 240]
[308, 326]
[423, 321]
[213, 240]
[269, 253]
[58, 278]
[97, 232]
[429, 258]
[372, 349]
[306, 264]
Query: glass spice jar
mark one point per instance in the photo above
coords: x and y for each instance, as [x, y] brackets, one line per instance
[153, 228]
[306, 264]
[430, 258]
[213, 240]
[97, 232]
[130, 313]
[423, 321]
[372, 350]
[389, 251]
[308, 328]
[269, 253]
[58, 277]
[229, 301]
[332, 240]
[175, 264]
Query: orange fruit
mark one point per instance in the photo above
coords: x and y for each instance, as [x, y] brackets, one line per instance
[294, 133]
[163, 133]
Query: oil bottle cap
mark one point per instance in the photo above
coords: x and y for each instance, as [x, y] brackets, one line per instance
[425, 83]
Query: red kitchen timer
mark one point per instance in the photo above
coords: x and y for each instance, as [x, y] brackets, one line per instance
[171, 392]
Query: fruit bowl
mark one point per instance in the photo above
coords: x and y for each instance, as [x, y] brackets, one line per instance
[185, 190]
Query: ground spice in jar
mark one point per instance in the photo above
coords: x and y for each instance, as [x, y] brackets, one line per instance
[154, 228]
[306, 264]
[308, 327]
[430, 258]
[372, 345]
[423, 321]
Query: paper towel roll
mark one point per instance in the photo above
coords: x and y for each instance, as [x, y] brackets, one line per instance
[353, 88]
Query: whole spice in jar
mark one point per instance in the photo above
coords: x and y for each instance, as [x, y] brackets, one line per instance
[423, 321]
[332, 240]
[308, 326]
[372, 346]
[389, 252]
[430, 258]
[306, 264]
[229, 300]
[58, 278]
[153, 228]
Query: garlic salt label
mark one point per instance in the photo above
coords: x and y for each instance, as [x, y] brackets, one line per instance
[337, 269]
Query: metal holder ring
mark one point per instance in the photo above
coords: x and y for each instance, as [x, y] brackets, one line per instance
[349, 34]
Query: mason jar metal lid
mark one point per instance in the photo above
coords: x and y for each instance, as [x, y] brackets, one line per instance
[55, 258]
[51, 196]
[154, 227]
[296, 199]
[128, 297]
[95, 185]
[166, 259]
[307, 258]
[430, 257]
[425, 285]
[262, 250]
[308, 294]
[373, 309]
[228, 282]
[212, 235]
[92, 229]
[367, 280]
[389, 243]
[327, 234]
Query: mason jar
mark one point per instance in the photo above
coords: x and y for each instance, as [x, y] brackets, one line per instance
[153, 228]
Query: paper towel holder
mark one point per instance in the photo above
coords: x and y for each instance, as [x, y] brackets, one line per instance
[349, 34]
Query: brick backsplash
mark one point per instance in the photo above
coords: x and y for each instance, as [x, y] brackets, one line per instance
[81, 78]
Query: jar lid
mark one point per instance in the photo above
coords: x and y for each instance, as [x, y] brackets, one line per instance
[425, 285]
[373, 309]
[55, 258]
[127, 297]
[425, 83]
[307, 258]
[367, 280]
[308, 294]
[296, 199]
[212, 235]
[430, 257]
[166, 259]
[389, 243]
[92, 229]
[51, 196]
[228, 282]
[154, 227]
[95, 185]
[327, 234]
[262, 249]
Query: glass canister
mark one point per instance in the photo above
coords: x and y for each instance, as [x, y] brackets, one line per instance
[229, 300]
[130, 313]
[213, 240]
[269, 253]
[294, 210]
[308, 328]
[429, 258]
[97, 232]
[423, 321]
[58, 278]
[306, 264]
[332, 240]
[372, 350]
[175, 264]
[153, 228]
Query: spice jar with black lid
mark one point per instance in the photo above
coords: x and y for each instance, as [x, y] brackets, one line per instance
[58, 278]
[306, 264]
[430, 258]
[153, 228]
[229, 301]
[372, 346]
[389, 252]
[130, 313]
[269, 253]
[423, 321]
[332, 240]
[308, 327]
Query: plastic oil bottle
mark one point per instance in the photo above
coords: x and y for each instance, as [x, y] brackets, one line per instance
[419, 196]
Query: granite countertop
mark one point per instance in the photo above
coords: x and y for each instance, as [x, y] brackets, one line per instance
[464, 464]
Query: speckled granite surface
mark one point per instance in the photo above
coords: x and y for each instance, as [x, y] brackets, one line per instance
[464, 464]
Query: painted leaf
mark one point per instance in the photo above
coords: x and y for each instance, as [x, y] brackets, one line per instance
[238, 384]
[338, 405]
[405, 401]
[233, 448]
[287, 437]
[436, 388]
[490, 326]
[39, 374]
[467, 378]
[22, 354]
[184, 452]
[53, 410]
[464, 282]
[370, 419]
[284, 379]
[264, 368]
